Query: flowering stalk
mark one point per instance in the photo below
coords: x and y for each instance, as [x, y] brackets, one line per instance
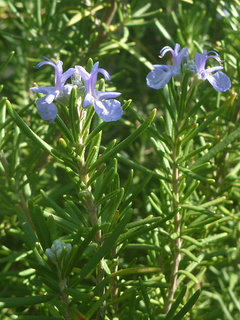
[176, 103]
[79, 100]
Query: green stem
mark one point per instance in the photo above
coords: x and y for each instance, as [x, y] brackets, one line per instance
[177, 229]
[91, 208]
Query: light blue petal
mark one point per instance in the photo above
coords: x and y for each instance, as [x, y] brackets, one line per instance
[83, 73]
[58, 74]
[208, 71]
[176, 48]
[108, 110]
[95, 67]
[220, 81]
[200, 61]
[104, 73]
[49, 62]
[159, 76]
[58, 67]
[45, 90]
[166, 49]
[67, 74]
[89, 99]
[177, 60]
[214, 56]
[106, 95]
[47, 111]
[52, 96]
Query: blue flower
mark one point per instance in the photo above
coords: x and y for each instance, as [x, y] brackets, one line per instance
[219, 80]
[45, 105]
[161, 74]
[107, 110]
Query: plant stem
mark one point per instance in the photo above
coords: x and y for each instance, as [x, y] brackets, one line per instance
[177, 229]
[91, 208]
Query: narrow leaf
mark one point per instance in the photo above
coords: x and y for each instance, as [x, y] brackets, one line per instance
[125, 142]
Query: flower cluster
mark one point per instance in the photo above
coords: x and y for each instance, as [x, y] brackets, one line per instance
[161, 74]
[107, 108]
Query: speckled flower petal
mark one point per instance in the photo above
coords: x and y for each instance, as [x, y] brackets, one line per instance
[220, 81]
[159, 76]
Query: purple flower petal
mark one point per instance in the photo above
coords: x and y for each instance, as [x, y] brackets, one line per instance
[47, 111]
[95, 67]
[89, 99]
[49, 62]
[83, 73]
[159, 76]
[67, 74]
[108, 110]
[101, 95]
[58, 71]
[165, 50]
[205, 73]
[45, 90]
[177, 59]
[200, 61]
[104, 73]
[52, 96]
[220, 81]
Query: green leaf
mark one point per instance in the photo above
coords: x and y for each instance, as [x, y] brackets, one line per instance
[27, 227]
[176, 303]
[146, 300]
[78, 249]
[220, 146]
[189, 275]
[143, 227]
[188, 306]
[98, 304]
[37, 318]
[24, 301]
[133, 52]
[107, 246]
[54, 205]
[189, 254]
[108, 155]
[137, 166]
[64, 129]
[194, 175]
[2, 117]
[110, 209]
[73, 114]
[93, 150]
[4, 65]
[164, 32]
[25, 128]
[40, 226]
